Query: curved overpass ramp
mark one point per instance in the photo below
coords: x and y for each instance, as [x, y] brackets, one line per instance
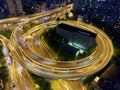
[48, 68]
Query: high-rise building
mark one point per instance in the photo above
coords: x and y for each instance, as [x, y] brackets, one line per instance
[15, 7]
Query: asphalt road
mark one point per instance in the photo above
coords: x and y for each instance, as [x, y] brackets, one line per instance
[59, 69]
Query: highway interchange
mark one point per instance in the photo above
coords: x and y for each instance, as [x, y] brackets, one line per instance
[27, 49]
[60, 69]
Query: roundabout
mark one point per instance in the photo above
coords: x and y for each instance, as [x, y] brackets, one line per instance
[26, 52]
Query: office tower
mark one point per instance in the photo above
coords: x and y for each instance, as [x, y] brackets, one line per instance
[15, 7]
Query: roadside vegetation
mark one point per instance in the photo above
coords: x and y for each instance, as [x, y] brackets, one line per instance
[3, 70]
[6, 33]
[28, 27]
[40, 82]
[3, 77]
[4, 73]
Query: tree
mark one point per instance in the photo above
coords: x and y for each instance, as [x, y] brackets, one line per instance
[44, 84]
[6, 33]
[58, 19]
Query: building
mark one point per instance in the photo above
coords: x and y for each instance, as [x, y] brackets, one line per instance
[110, 79]
[77, 37]
[14, 7]
[69, 49]
[81, 6]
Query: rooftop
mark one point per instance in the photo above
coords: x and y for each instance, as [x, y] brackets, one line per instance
[75, 29]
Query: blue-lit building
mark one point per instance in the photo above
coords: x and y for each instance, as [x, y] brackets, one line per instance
[77, 37]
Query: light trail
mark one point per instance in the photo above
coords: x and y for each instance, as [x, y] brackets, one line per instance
[49, 68]
[70, 69]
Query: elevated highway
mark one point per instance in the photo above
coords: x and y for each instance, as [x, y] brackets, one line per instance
[48, 68]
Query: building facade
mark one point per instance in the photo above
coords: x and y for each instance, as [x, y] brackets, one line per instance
[76, 36]
[15, 7]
